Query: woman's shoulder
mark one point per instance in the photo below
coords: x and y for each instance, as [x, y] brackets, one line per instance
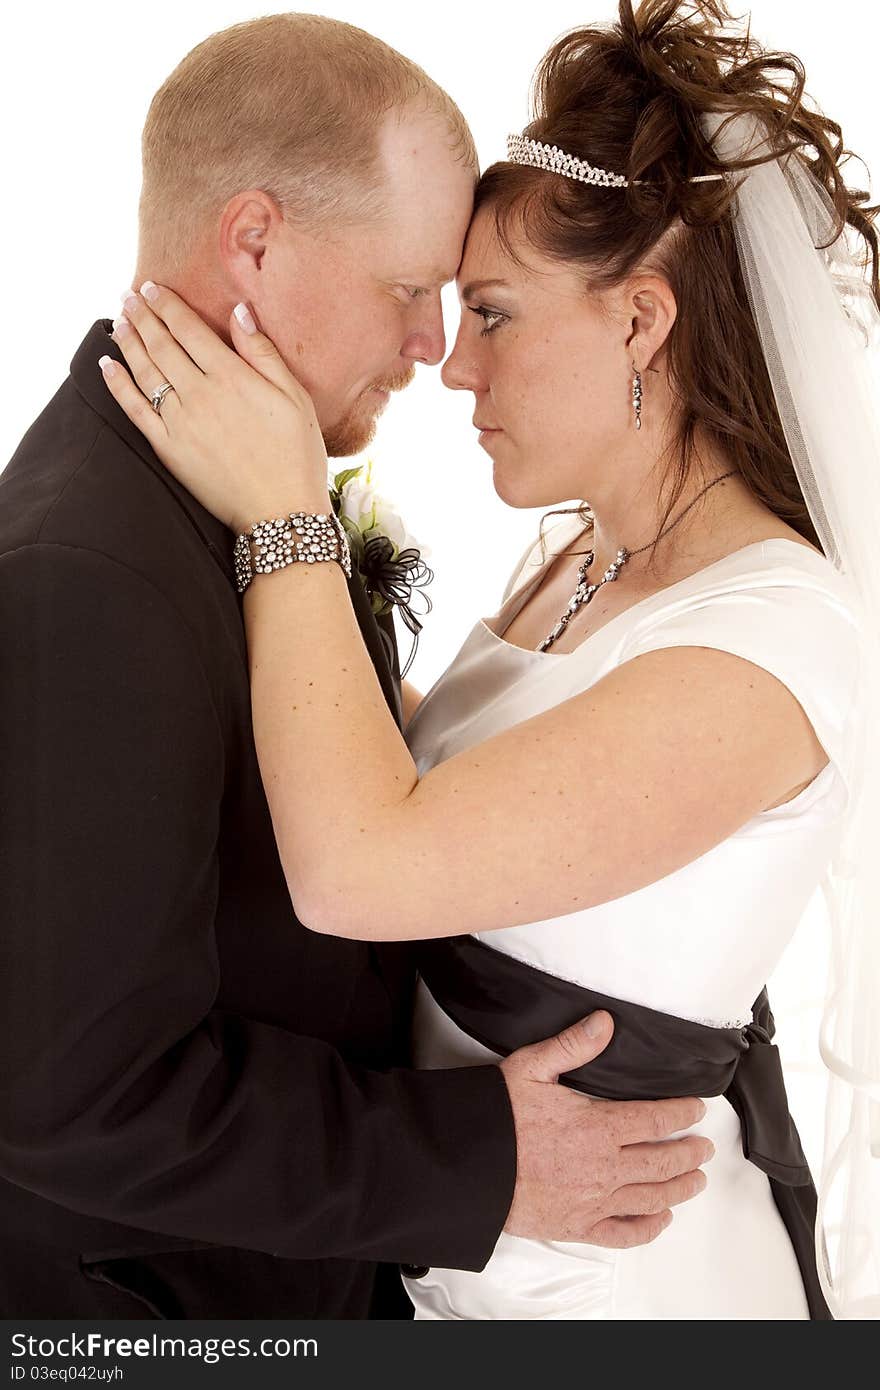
[788, 569]
[768, 582]
[777, 603]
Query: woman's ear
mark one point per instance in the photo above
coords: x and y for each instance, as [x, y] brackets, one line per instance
[651, 310]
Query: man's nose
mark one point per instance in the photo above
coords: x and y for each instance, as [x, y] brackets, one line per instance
[427, 341]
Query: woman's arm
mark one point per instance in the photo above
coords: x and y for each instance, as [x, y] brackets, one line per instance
[655, 764]
[412, 698]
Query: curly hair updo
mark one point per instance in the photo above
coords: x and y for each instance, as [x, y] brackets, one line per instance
[629, 98]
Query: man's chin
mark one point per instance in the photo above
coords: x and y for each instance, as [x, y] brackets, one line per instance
[357, 430]
[350, 436]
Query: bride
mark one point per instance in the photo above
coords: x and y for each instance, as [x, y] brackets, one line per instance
[627, 785]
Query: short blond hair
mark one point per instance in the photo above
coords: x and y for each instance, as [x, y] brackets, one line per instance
[289, 103]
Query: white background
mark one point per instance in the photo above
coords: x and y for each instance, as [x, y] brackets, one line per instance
[77, 83]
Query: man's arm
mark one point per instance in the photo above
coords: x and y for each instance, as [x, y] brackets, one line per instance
[124, 1092]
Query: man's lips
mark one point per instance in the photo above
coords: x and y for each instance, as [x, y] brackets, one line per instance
[384, 389]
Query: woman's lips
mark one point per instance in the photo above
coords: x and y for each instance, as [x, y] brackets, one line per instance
[486, 433]
[485, 429]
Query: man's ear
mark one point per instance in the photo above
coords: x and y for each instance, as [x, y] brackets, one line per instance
[251, 220]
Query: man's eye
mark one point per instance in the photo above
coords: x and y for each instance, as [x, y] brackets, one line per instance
[491, 318]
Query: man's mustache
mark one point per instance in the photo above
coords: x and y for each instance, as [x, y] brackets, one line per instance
[398, 382]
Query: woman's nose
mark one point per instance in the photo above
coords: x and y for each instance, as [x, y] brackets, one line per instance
[459, 371]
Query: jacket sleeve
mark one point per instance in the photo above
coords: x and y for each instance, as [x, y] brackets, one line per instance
[125, 1093]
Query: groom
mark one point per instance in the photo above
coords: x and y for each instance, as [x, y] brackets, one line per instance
[205, 1109]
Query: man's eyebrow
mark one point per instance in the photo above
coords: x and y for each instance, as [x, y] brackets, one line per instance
[477, 287]
[436, 277]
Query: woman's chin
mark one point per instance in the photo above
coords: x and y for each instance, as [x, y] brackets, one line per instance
[516, 490]
[510, 495]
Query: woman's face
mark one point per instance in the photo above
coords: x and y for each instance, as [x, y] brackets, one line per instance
[549, 369]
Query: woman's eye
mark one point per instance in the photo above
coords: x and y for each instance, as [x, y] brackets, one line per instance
[490, 317]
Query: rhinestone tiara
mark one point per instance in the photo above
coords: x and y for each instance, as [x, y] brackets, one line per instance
[521, 150]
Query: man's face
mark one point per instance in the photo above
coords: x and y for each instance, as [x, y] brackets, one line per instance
[352, 312]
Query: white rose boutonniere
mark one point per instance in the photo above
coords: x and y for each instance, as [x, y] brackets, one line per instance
[387, 557]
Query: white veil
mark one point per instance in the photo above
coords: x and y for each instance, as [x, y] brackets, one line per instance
[820, 331]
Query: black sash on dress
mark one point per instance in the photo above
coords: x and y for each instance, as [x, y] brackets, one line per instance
[505, 1004]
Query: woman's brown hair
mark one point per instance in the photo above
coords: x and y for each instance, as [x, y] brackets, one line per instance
[629, 98]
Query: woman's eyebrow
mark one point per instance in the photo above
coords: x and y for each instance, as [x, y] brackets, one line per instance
[477, 287]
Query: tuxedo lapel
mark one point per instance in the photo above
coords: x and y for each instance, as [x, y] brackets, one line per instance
[218, 539]
[89, 382]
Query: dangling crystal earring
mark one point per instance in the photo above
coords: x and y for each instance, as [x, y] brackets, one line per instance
[637, 396]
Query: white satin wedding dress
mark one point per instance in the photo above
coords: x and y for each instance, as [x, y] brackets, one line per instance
[699, 943]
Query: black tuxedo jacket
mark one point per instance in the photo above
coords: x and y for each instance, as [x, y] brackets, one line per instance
[204, 1108]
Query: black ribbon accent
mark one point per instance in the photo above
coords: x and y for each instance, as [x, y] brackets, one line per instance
[393, 578]
[505, 1004]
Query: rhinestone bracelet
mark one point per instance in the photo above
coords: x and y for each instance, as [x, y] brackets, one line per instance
[287, 539]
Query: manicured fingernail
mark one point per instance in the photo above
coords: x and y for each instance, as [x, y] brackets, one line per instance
[121, 326]
[107, 365]
[149, 291]
[245, 318]
[595, 1025]
[130, 302]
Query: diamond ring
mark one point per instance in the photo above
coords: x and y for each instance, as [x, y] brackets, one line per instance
[159, 395]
